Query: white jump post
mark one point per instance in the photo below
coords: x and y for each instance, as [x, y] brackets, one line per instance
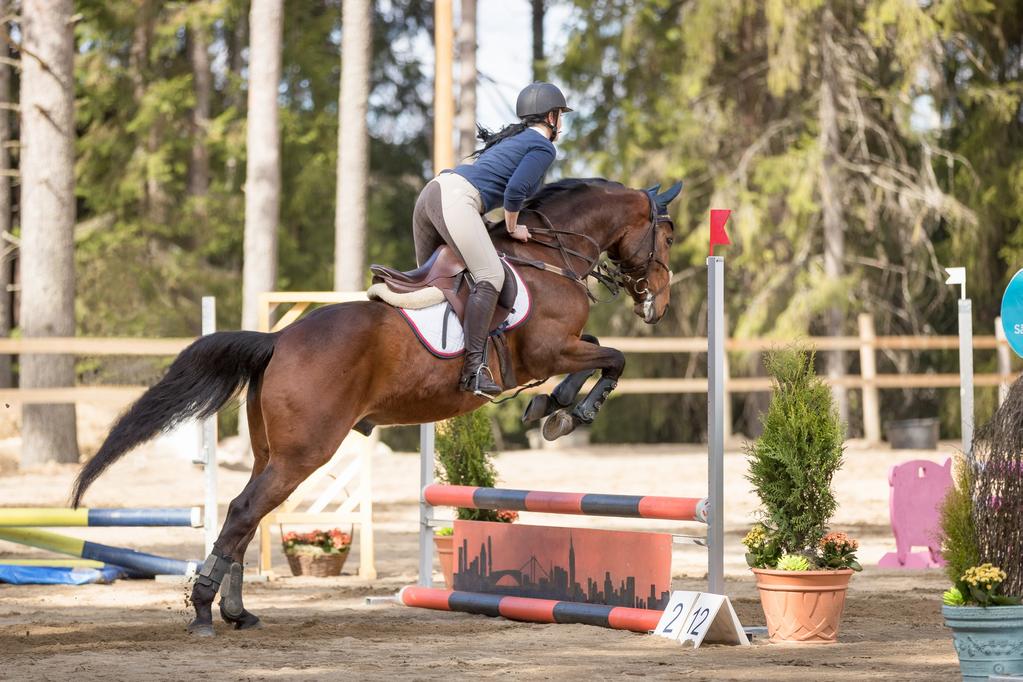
[426, 459]
[958, 276]
[715, 424]
[716, 396]
[209, 441]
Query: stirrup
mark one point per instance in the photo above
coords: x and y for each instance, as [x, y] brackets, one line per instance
[476, 383]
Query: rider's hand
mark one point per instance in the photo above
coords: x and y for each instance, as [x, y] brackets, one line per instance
[521, 233]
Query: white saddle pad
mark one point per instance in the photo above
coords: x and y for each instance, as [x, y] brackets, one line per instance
[428, 323]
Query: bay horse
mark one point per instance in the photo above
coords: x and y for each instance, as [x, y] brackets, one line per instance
[360, 364]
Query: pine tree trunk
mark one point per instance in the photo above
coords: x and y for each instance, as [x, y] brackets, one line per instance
[48, 432]
[467, 80]
[263, 167]
[202, 79]
[352, 147]
[239, 38]
[157, 200]
[6, 248]
[834, 230]
[539, 61]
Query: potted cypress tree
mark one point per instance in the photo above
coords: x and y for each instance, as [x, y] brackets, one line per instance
[463, 446]
[982, 541]
[802, 571]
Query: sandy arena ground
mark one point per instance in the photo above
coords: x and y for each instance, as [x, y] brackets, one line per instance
[322, 628]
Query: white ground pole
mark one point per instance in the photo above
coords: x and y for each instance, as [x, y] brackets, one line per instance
[209, 441]
[715, 424]
[426, 464]
[958, 276]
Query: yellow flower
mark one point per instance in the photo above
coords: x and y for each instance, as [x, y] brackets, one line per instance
[756, 537]
[985, 574]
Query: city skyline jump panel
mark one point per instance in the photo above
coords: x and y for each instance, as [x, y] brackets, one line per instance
[585, 565]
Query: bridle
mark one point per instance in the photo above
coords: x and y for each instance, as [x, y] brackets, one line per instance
[628, 273]
[613, 273]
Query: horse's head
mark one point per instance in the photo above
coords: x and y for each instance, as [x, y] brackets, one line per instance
[641, 253]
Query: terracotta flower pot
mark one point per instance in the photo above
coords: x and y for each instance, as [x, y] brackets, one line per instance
[802, 606]
[445, 545]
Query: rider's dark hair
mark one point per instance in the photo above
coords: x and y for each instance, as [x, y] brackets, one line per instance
[490, 138]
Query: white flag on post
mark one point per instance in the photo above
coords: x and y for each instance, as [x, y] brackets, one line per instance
[957, 276]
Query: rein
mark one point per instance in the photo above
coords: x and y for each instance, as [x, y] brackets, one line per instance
[612, 273]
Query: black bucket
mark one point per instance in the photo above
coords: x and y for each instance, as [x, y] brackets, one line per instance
[913, 434]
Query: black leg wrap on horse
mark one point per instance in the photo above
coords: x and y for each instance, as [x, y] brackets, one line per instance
[586, 411]
[214, 569]
[232, 609]
[563, 395]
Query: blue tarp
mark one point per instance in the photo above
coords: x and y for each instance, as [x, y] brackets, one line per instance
[57, 575]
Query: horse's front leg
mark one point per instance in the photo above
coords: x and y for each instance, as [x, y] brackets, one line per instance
[563, 395]
[577, 357]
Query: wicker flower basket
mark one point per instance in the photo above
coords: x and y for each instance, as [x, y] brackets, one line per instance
[318, 565]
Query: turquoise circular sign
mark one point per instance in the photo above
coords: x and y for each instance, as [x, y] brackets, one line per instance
[1012, 313]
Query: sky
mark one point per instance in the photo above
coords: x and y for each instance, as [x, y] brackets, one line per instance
[505, 38]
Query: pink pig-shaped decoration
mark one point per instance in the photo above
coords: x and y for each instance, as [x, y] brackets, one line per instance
[918, 488]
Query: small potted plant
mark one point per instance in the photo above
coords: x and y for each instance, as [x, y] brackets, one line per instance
[981, 541]
[464, 445]
[320, 553]
[802, 571]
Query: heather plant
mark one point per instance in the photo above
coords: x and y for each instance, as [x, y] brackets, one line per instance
[792, 464]
[996, 490]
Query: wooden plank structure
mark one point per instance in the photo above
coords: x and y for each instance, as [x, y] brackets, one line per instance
[866, 344]
[340, 492]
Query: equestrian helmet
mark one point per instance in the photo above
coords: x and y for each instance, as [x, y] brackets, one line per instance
[540, 98]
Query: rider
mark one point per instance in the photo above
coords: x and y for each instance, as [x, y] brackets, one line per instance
[508, 170]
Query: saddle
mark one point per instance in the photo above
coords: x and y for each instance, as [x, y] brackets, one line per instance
[443, 277]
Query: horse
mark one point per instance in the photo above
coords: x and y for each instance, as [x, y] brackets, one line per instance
[359, 364]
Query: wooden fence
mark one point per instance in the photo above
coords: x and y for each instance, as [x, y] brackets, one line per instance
[867, 344]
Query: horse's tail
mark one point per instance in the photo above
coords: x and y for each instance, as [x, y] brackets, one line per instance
[199, 382]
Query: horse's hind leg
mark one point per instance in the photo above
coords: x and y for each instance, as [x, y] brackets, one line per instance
[261, 496]
[563, 395]
[299, 454]
[232, 608]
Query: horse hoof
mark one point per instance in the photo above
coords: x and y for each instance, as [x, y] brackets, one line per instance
[536, 409]
[245, 621]
[254, 624]
[558, 424]
[201, 629]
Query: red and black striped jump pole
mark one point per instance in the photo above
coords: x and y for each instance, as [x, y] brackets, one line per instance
[531, 610]
[588, 504]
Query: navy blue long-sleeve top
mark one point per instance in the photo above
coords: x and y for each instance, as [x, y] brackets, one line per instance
[511, 171]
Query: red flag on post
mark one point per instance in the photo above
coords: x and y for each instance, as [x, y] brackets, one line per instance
[718, 218]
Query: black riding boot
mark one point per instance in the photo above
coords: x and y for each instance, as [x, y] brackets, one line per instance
[479, 311]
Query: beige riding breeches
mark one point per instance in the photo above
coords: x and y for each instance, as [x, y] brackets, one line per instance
[449, 210]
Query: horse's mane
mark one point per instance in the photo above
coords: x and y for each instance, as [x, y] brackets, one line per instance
[553, 191]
